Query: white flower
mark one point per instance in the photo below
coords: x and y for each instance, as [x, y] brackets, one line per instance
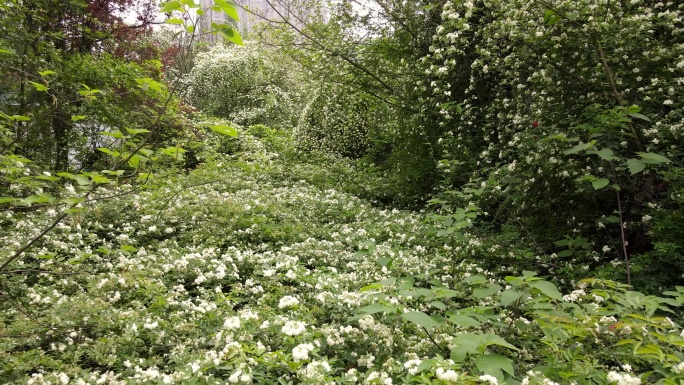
[288, 301]
[366, 322]
[168, 230]
[231, 323]
[623, 379]
[63, 378]
[679, 368]
[606, 248]
[293, 328]
[150, 325]
[301, 352]
[488, 378]
[447, 375]
[668, 102]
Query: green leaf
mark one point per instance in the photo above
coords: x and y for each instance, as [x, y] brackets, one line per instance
[80, 179]
[114, 134]
[175, 21]
[464, 321]
[600, 183]
[7, 51]
[382, 261]
[108, 151]
[493, 339]
[20, 118]
[46, 73]
[635, 166]
[565, 253]
[480, 293]
[38, 86]
[228, 9]
[426, 364]
[421, 319]
[547, 288]
[605, 153]
[135, 131]
[439, 305]
[100, 179]
[639, 116]
[76, 118]
[224, 130]
[171, 6]
[231, 35]
[653, 158]
[190, 29]
[376, 308]
[578, 148]
[493, 364]
[509, 296]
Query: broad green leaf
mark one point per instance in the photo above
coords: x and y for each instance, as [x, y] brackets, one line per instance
[493, 339]
[224, 130]
[566, 253]
[80, 179]
[231, 35]
[475, 279]
[493, 363]
[100, 179]
[46, 73]
[76, 118]
[421, 319]
[605, 153]
[384, 261]
[228, 9]
[7, 51]
[46, 177]
[547, 288]
[600, 183]
[509, 296]
[635, 166]
[640, 116]
[376, 308]
[20, 118]
[190, 29]
[578, 148]
[653, 158]
[480, 293]
[464, 321]
[114, 134]
[439, 305]
[108, 151]
[135, 131]
[426, 364]
[38, 86]
[171, 6]
[175, 21]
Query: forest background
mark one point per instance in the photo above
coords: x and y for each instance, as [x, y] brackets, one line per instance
[452, 165]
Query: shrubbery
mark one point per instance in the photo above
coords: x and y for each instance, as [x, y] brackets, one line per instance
[246, 85]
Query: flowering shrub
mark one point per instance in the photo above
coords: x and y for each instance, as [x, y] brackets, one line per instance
[244, 84]
[565, 107]
[272, 274]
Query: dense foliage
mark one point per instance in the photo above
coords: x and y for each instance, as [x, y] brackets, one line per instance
[386, 192]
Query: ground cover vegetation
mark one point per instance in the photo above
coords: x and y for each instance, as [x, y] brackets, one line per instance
[387, 192]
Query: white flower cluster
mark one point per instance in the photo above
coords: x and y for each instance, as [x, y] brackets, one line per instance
[288, 301]
[623, 379]
[301, 352]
